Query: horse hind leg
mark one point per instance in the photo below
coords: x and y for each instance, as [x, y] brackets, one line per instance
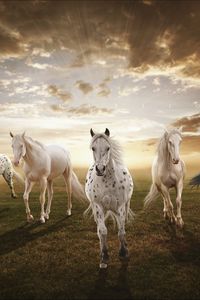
[50, 197]
[67, 179]
[8, 176]
[102, 234]
[123, 251]
[43, 187]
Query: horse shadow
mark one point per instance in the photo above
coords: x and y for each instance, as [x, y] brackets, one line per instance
[20, 236]
[183, 244]
[102, 289]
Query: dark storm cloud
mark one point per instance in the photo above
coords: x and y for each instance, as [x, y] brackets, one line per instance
[58, 93]
[189, 124]
[85, 87]
[151, 33]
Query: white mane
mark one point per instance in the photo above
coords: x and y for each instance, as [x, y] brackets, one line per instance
[115, 147]
[162, 148]
[34, 142]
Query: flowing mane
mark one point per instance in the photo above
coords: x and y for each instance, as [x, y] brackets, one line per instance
[115, 147]
[34, 142]
[162, 148]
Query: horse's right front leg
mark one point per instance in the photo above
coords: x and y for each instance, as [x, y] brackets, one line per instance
[102, 234]
[168, 206]
[28, 188]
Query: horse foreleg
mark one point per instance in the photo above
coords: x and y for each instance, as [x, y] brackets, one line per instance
[50, 197]
[43, 187]
[102, 234]
[170, 209]
[28, 188]
[179, 189]
[67, 179]
[123, 251]
[8, 176]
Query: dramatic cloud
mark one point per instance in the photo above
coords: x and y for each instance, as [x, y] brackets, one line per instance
[62, 95]
[104, 89]
[189, 124]
[82, 110]
[85, 87]
[85, 109]
[99, 29]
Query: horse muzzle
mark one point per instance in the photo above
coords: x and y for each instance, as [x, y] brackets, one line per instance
[16, 163]
[100, 172]
[175, 161]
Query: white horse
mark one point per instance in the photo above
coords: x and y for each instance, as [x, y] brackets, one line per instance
[44, 163]
[168, 171]
[7, 171]
[109, 188]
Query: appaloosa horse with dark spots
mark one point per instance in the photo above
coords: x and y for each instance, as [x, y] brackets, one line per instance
[109, 188]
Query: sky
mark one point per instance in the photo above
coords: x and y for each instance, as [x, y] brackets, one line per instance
[130, 66]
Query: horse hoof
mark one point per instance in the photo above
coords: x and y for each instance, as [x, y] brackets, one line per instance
[14, 196]
[69, 212]
[179, 223]
[42, 220]
[30, 219]
[46, 216]
[103, 265]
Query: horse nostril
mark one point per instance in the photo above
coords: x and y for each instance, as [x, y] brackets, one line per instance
[97, 169]
[104, 168]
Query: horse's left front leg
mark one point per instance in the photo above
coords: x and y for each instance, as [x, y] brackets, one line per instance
[179, 189]
[8, 176]
[43, 187]
[123, 251]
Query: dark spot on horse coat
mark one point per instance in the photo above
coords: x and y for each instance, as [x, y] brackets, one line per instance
[124, 173]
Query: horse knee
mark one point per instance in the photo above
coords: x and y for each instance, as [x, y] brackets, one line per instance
[102, 230]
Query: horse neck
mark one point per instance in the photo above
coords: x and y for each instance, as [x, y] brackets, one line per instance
[163, 154]
[32, 152]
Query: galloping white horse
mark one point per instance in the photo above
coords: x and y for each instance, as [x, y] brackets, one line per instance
[168, 171]
[7, 171]
[44, 164]
[109, 188]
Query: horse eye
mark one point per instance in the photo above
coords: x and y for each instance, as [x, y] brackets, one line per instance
[108, 149]
[93, 148]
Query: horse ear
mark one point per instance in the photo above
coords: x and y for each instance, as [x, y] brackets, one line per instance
[11, 134]
[23, 134]
[107, 132]
[92, 132]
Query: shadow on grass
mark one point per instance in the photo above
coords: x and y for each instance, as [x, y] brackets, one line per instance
[20, 236]
[3, 211]
[184, 245]
[102, 289]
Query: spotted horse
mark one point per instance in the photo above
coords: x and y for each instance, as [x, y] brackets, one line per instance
[7, 171]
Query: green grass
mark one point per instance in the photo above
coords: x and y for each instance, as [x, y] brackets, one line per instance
[60, 259]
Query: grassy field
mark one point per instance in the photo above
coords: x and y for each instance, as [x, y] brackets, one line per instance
[60, 259]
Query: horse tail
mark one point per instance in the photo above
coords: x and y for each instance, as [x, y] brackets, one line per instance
[152, 195]
[18, 177]
[77, 188]
[195, 181]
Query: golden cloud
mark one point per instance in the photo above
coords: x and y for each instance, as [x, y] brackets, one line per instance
[62, 95]
[169, 37]
[85, 87]
[189, 123]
